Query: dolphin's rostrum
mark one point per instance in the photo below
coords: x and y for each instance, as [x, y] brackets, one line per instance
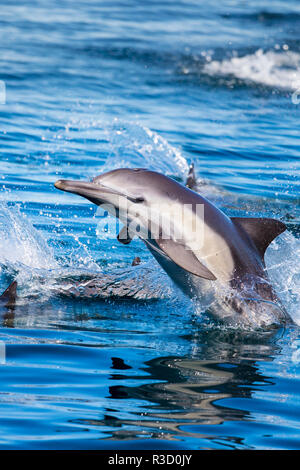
[207, 254]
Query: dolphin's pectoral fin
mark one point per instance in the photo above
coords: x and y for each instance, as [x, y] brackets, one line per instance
[9, 296]
[125, 236]
[185, 258]
[261, 231]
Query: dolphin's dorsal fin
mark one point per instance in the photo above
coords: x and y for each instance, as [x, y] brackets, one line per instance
[261, 231]
[184, 258]
[191, 181]
[9, 296]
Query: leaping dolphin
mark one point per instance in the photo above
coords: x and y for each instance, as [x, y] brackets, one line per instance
[222, 262]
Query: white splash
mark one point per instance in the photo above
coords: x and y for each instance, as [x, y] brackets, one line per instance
[283, 264]
[21, 243]
[134, 145]
[26, 255]
[275, 69]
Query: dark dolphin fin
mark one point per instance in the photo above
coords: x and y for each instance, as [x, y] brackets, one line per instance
[9, 296]
[191, 180]
[261, 231]
[185, 258]
[136, 261]
[125, 236]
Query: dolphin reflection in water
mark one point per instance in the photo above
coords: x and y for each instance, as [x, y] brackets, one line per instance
[185, 393]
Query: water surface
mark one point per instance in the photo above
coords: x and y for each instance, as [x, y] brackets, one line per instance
[92, 86]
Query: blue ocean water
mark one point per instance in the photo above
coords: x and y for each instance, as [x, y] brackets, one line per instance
[88, 86]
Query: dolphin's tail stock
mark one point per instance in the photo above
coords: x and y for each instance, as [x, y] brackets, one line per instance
[8, 298]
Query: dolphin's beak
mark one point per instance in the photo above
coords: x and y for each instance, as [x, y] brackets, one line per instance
[94, 192]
